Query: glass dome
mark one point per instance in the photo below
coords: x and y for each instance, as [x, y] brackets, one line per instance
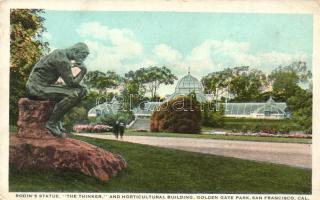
[188, 84]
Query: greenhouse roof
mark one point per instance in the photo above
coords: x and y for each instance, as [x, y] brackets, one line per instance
[255, 108]
[187, 85]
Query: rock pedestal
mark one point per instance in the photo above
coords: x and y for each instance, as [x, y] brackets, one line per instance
[35, 147]
[32, 117]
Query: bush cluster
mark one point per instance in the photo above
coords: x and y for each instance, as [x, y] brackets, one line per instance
[77, 115]
[110, 119]
[212, 116]
[256, 128]
[180, 115]
[271, 126]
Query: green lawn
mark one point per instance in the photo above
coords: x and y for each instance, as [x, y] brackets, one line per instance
[221, 137]
[238, 123]
[154, 169]
[208, 136]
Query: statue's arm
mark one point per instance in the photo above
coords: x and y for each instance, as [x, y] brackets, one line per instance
[81, 74]
[66, 74]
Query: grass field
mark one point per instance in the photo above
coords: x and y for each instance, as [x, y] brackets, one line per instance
[13, 129]
[220, 137]
[237, 124]
[154, 169]
[247, 124]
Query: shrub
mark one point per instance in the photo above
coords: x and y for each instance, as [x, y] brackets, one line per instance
[216, 119]
[283, 129]
[261, 125]
[255, 128]
[300, 104]
[126, 117]
[106, 119]
[180, 115]
[213, 117]
[74, 116]
[244, 129]
[110, 119]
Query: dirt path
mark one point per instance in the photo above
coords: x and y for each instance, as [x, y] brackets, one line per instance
[297, 155]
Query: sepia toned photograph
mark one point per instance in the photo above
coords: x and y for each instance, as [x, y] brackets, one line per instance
[110, 103]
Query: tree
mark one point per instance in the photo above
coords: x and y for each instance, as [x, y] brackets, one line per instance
[299, 68]
[301, 107]
[247, 86]
[132, 94]
[94, 98]
[90, 80]
[216, 83]
[244, 83]
[26, 48]
[113, 79]
[100, 81]
[151, 78]
[286, 83]
[285, 80]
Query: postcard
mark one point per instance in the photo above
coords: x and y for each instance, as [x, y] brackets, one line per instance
[160, 100]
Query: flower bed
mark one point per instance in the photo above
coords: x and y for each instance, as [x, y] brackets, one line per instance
[262, 134]
[91, 128]
[141, 130]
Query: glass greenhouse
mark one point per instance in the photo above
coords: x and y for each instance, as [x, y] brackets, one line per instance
[186, 85]
[105, 108]
[269, 109]
[148, 109]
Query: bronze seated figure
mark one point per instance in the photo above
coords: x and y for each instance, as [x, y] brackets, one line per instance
[41, 83]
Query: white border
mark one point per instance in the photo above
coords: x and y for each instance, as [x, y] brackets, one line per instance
[243, 6]
[249, 6]
[316, 111]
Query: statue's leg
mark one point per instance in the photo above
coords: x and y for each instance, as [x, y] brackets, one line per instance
[68, 102]
[66, 99]
[62, 128]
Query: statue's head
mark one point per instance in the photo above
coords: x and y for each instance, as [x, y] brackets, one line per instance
[78, 52]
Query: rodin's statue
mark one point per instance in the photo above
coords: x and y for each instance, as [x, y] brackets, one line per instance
[41, 82]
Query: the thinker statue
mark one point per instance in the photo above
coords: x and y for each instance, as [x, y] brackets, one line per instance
[41, 82]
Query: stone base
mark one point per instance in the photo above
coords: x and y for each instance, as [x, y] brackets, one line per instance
[35, 147]
[32, 118]
[64, 154]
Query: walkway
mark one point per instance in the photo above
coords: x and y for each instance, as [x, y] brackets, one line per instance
[141, 124]
[297, 155]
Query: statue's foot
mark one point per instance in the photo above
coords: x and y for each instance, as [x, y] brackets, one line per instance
[54, 129]
[62, 129]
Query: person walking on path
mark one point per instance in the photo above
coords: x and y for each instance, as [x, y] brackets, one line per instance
[115, 128]
[121, 128]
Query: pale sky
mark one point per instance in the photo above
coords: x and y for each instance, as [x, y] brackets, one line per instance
[205, 42]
